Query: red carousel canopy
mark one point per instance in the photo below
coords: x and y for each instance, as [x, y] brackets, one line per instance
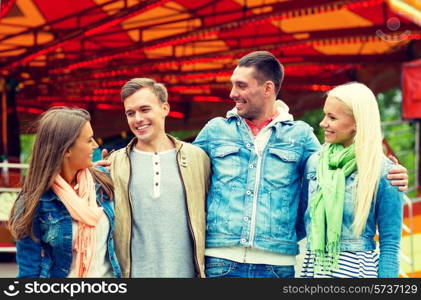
[80, 53]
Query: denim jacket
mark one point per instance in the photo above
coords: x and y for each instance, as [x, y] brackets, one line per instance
[386, 214]
[51, 255]
[254, 200]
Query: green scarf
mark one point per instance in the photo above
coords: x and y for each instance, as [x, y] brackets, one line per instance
[326, 207]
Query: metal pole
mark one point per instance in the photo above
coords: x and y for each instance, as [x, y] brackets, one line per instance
[417, 155]
[4, 114]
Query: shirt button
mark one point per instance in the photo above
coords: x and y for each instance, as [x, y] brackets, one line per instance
[156, 184]
[248, 145]
[156, 163]
[243, 241]
[246, 219]
[251, 166]
[248, 193]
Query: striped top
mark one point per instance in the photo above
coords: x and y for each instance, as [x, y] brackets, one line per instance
[360, 264]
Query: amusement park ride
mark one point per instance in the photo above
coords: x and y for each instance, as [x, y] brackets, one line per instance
[79, 53]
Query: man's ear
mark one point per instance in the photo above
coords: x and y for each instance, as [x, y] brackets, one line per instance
[166, 108]
[269, 87]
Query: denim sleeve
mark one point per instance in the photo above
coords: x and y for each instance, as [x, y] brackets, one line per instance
[311, 145]
[389, 216]
[302, 207]
[202, 139]
[103, 170]
[28, 253]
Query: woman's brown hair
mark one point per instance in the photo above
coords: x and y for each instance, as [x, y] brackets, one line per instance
[58, 129]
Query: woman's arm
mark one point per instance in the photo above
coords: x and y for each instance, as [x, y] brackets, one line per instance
[28, 253]
[389, 216]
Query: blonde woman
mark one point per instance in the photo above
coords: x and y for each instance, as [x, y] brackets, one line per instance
[64, 217]
[349, 194]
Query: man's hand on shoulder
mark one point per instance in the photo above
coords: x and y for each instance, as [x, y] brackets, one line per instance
[103, 162]
[398, 175]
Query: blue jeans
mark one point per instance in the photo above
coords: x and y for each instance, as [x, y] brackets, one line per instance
[224, 268]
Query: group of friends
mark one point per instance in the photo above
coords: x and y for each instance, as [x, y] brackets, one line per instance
[234, 203]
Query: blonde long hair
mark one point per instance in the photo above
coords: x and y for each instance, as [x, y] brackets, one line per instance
[58, 129]
[368, 145]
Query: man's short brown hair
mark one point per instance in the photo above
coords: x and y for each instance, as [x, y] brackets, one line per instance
[136, 84]
[266, 65]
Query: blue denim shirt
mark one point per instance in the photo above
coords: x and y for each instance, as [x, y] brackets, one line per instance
[386, 213]
[51, 255]
[254, 201]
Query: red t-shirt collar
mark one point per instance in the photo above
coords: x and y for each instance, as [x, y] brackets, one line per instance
[256, 128]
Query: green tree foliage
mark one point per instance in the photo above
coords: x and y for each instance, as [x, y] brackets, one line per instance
[400, 136]
[313, 118]
[26, 143]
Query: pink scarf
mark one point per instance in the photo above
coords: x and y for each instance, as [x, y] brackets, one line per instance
[83, 208]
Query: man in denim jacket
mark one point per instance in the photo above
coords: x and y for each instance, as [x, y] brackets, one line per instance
[255, 204]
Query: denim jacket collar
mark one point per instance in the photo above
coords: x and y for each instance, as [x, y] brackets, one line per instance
[281, 106]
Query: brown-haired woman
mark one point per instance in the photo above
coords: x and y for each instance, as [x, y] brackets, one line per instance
[63, 218]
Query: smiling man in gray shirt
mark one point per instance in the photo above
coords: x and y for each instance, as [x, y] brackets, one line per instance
[156, 250]
[160, 186]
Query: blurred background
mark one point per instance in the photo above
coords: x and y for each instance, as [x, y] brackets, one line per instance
[80, 52]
